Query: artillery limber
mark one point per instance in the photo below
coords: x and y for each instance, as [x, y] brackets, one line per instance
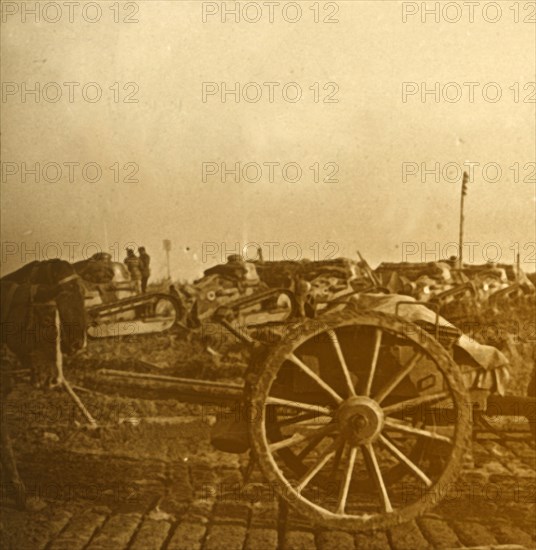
[359, 418]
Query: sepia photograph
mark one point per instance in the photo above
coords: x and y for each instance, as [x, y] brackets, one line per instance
[268, 275]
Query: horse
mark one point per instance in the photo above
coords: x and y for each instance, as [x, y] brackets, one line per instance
[30, 298]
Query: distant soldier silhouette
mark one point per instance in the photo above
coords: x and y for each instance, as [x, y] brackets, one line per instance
[145, 270]
[133, 264]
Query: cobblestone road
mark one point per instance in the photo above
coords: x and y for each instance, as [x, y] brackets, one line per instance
[190, 505]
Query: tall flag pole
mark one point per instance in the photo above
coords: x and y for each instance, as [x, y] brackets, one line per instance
[462, 219]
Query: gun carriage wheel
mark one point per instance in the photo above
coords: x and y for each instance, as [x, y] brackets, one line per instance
[361, 421]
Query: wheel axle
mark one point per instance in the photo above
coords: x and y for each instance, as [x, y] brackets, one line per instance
[361, 419]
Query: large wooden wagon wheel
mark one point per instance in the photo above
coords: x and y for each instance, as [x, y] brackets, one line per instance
[361, 420]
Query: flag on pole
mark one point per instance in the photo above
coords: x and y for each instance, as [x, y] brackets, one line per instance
[464, 183]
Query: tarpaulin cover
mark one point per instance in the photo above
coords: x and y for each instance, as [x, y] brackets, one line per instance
[483, 367]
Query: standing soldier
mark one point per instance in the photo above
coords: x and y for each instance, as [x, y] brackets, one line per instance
[145, 260]
[133, 264]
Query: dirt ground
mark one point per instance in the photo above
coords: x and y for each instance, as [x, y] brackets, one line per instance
[149, 479]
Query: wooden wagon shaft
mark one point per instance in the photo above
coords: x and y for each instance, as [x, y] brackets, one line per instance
[185, 389]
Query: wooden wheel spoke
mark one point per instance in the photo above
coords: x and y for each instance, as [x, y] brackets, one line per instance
[375, 354]
[337, 459]
[314, 422]
[321, 462]
[410, 404]
[393, 383]
[291, 357]
[343, 493]
[397, 453]
[401, 427]
[315, 441]
[304, 417]
[335, 341]
[324, 411]
[284, 443]
[375, 472]
[299, 437]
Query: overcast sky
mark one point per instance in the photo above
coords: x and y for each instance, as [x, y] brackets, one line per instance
[170, 132]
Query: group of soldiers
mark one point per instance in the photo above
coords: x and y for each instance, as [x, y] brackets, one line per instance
[138, 267]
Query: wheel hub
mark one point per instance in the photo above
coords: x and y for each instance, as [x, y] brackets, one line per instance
[361, 419]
